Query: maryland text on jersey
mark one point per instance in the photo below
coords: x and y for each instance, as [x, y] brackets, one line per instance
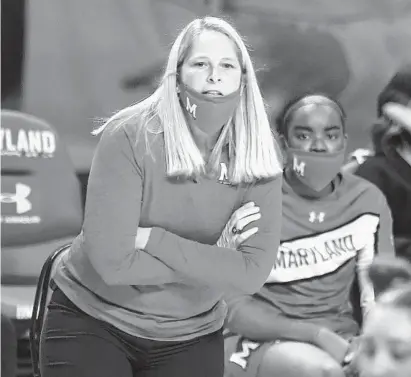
[322, 253]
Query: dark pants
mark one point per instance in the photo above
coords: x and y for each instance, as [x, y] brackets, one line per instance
[76, 344]
[8, 348]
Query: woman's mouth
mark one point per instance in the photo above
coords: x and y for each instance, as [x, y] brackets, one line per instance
[213, 93]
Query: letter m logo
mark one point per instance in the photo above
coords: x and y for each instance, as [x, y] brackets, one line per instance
[299, 166]
[241, 357]
[191, 108]
[223, 173]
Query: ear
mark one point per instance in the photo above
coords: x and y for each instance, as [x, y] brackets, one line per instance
[283, 142]
[283, 147]
[345, 140]
[178, 80]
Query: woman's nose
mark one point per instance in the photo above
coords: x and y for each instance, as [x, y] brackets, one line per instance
[214, 75]
[318, 145]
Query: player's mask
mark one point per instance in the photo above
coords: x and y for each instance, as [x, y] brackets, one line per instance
[316, 170]
[207, 113]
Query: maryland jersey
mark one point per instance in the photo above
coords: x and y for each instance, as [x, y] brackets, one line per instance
[323, 244]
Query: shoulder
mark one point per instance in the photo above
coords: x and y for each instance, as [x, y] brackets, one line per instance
[134, 137]
[361, 190]
[373, 166]
[266, 193]
[268, 185]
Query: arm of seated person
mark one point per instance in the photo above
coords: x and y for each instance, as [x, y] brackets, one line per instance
[256, 320]
[383, 247]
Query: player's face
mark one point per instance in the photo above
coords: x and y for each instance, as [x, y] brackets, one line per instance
[316, 129]
[212, 66]
[385, 349]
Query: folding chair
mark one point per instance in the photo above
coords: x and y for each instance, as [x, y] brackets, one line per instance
[41, 301]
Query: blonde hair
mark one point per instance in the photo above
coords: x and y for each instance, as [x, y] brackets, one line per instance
[253, 149]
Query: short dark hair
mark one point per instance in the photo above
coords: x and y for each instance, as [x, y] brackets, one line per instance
[285, 114]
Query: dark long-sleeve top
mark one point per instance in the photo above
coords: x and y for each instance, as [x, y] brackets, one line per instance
[173, 289]
[325, 244]
[389, 171]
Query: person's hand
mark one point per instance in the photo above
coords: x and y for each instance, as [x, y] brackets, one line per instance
[350, 359]
[352, 350]
[232, 235]
[143, 234]
[398, 114]
[335, 345]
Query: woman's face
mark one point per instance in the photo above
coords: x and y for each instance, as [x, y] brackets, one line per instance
[385, 349]
[316, 128]
[212, 66]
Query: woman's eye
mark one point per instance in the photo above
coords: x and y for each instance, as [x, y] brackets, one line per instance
[199, 64]
[228, 65]
[332, 136]
[302, 137]
[401, 354]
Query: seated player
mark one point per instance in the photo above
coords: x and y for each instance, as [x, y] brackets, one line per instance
[390, 167]
[302, 321]
[385, 348]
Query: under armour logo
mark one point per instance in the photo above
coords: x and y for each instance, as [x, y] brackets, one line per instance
[316, 217]
[191, 108]
[298, 167]
[20, 198]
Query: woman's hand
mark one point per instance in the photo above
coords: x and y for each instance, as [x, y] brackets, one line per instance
[143, 234]
[232, 236]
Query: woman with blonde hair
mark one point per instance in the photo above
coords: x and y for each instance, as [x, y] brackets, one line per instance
[140, 293]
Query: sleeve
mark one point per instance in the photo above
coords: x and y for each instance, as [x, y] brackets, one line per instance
[245, 269]
[381, 244]
[112, 215]
[372, 172]
[385, 239]
[256, 320]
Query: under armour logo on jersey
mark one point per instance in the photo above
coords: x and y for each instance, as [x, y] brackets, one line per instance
[316, 217]
[191, 108]
[298, 167]
[19, 197]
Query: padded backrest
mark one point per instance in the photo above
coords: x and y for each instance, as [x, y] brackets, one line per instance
[40, 192]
